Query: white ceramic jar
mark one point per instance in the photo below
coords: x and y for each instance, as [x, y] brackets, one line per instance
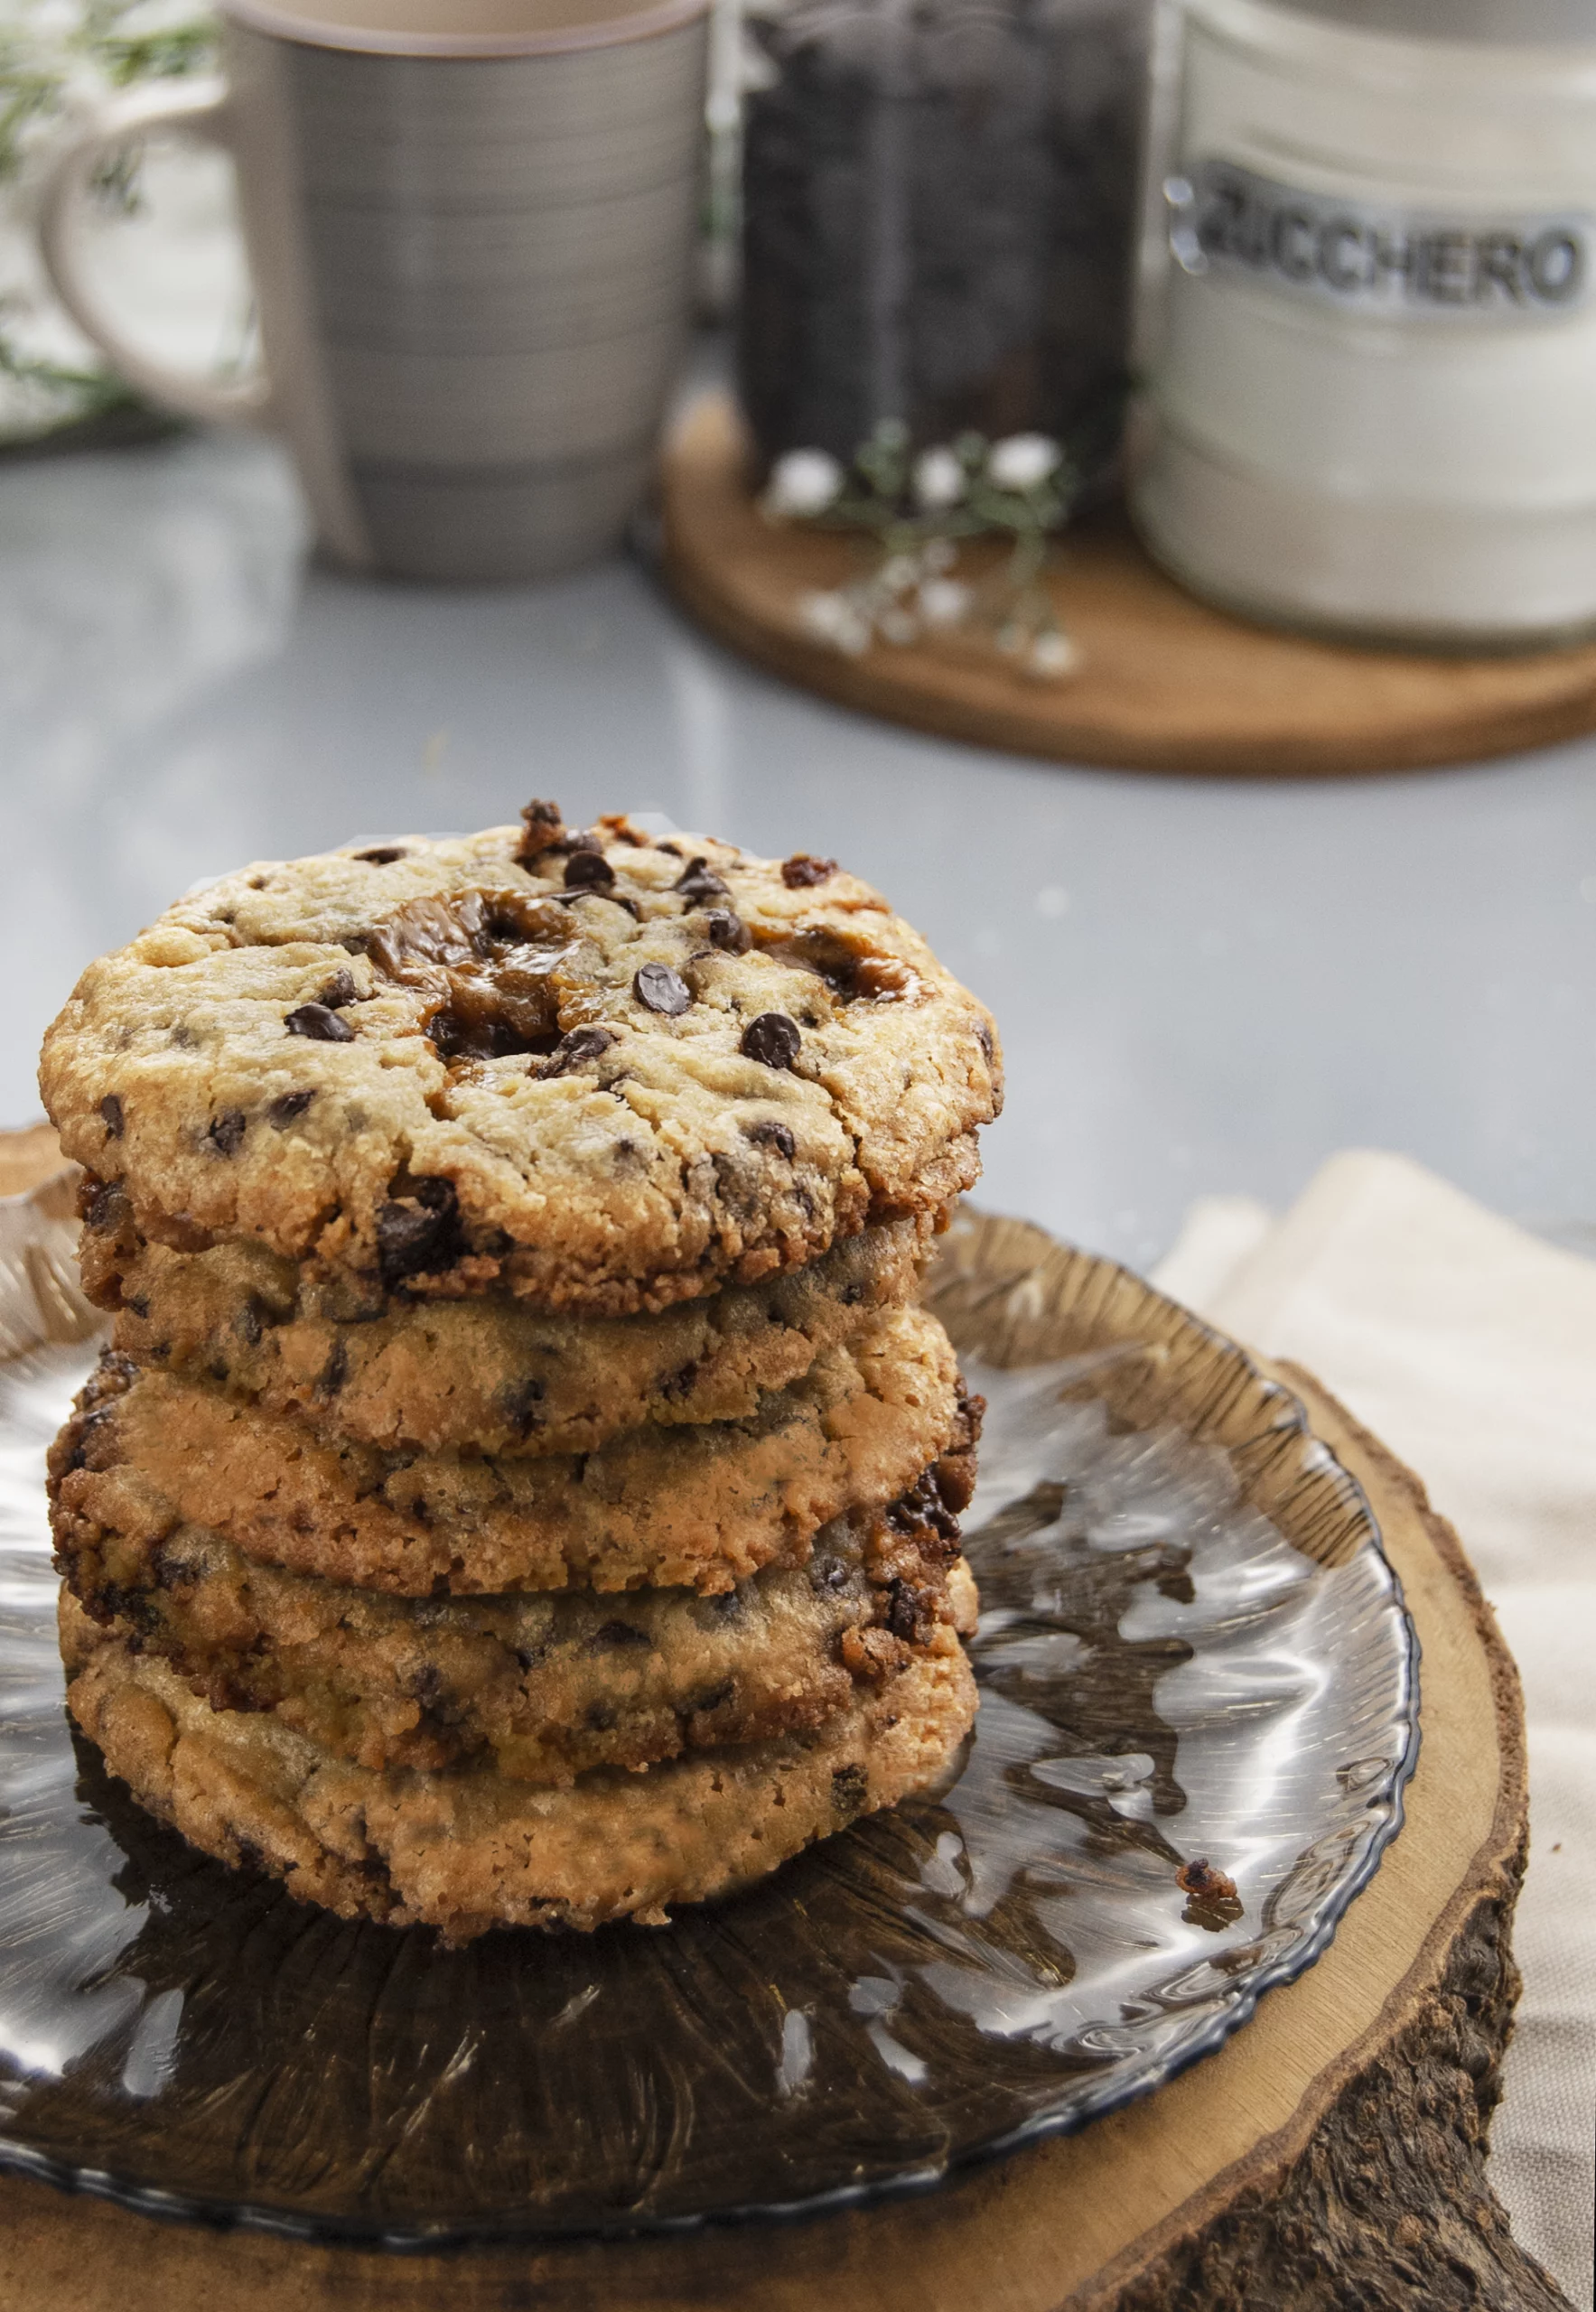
[1367, 328]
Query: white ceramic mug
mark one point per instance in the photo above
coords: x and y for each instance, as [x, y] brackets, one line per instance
[470, 227]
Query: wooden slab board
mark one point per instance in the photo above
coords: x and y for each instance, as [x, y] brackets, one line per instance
[1329, 2155]
[1165, 683]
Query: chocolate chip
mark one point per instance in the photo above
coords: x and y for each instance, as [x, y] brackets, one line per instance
[714, 1697]
[923, 1509]
[728, 931]
[828, 1573]
[679, 1384]
[800, 871]
[769, 1133]
[334, 1373]
[772, 1040]
[228, 1130]
[617, 1634]
[285, 1107]
[732, 1179]
[322, 1025]
[588, 870]
[384, 855]
[102, 1205]
[340, 989]
[698, 882]
[425, 1685]
[662, 990]
[418, 1233]
[850, 1787]
[520, 1402]
[84, 1438]
[110, 1109]
[906, 1610]
[577, 1045]
[542, 828]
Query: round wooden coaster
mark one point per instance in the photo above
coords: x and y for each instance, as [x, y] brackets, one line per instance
[1164, 683]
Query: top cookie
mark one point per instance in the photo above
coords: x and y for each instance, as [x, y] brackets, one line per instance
[603, 1070]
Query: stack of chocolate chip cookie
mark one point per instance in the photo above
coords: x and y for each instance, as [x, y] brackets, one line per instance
[523, 1489]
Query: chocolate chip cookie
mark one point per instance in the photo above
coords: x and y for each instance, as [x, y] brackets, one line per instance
[694, 1507]
[599, 1070]
[541, 1687]
[490, 1372]
[472, 1850]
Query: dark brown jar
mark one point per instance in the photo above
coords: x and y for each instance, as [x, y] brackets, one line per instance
[940, 201]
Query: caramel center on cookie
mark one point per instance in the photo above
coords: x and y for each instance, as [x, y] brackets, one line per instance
[498, 972]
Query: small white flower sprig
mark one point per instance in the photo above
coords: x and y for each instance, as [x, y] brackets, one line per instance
[917, 505]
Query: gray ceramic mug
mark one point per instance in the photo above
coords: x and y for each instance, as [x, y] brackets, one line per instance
[471, 226]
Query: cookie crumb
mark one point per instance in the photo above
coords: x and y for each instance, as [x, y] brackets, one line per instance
[1212, 1902]
[1198, 1876]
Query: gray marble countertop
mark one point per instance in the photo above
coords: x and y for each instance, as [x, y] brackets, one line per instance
[1202, 984]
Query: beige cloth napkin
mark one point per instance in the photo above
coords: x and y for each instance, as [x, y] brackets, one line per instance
[1469, 1347]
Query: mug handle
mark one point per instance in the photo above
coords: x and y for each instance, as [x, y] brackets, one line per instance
[201, 108]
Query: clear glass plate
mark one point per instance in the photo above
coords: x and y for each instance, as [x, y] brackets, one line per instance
[1191, 1646]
